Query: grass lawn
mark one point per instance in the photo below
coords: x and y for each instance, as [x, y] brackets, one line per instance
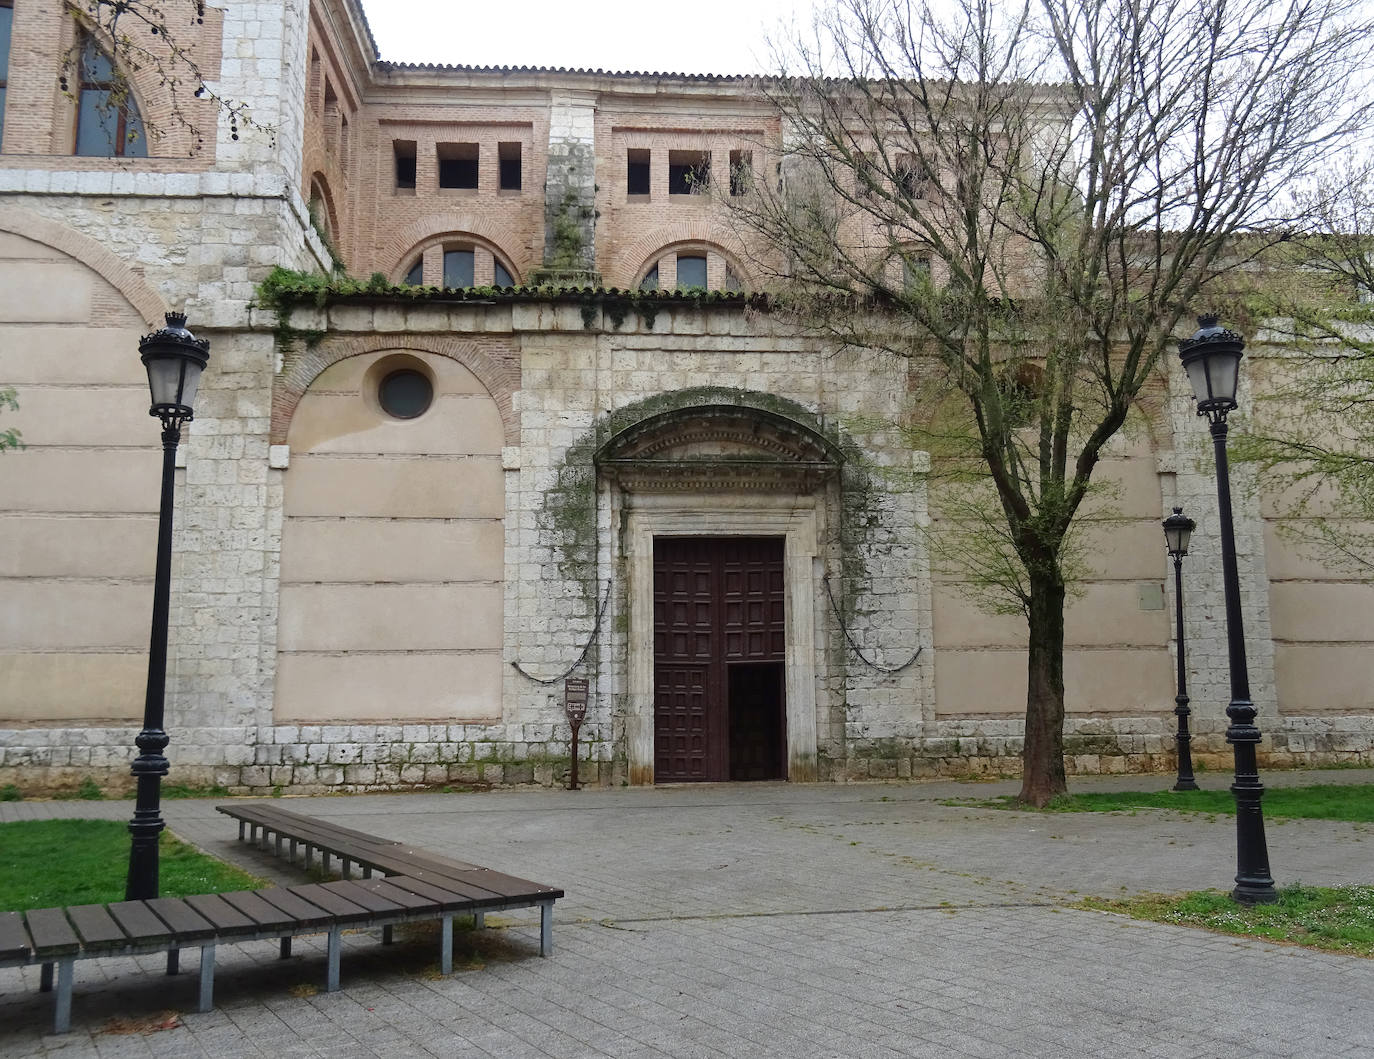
[44, 863]
[1353, 802]
[1337, 919]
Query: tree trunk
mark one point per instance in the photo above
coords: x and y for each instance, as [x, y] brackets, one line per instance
[1043, 757]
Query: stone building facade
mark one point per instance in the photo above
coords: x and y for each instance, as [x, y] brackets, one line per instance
[406, 516]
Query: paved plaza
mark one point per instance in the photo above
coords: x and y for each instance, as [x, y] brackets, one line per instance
[761, 920]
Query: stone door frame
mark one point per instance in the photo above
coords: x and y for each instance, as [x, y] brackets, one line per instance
[797, 520]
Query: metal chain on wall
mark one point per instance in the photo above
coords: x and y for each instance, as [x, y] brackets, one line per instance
[600, 611]
[853, 644]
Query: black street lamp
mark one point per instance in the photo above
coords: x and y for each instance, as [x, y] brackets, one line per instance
[1178, 527]
[1212, 360]
[174, 358]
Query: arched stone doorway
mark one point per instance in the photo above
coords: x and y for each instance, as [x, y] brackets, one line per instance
[721, 510]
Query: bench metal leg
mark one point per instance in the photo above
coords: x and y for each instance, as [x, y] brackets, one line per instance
[479, 920]
[206, 1000]
[242, 825]
[279, 842]
[173, 961]
[286, 947]
[446, 944]
[367, 872]
[387, 935]
[545, 928]
[347, 867]
[62, 1017]
[309, 856]
[331, 983]
[293, 851]
[45, 978]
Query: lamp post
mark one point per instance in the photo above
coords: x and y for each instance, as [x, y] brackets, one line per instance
[1178, 527]
[1212, 359]
[174, 359]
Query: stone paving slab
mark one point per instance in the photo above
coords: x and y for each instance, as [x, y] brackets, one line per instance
[765, 920]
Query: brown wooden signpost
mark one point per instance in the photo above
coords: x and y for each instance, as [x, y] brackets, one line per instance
[575, 706]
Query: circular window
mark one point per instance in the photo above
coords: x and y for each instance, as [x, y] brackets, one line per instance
[405, 394]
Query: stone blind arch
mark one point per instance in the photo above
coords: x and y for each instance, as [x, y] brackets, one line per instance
[109, 266]
[496, 369]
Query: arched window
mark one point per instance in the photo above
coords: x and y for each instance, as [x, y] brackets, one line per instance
[457, 262]
[693, 266]
[108, 124]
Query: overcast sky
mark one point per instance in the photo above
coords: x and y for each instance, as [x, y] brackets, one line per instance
[686, 36]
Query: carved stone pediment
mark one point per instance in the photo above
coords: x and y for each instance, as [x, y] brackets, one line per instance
[719, 447]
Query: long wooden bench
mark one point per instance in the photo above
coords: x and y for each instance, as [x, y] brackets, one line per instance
[433, 889]
[291, 833]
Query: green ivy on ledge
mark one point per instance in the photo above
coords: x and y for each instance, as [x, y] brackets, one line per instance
[285, 290]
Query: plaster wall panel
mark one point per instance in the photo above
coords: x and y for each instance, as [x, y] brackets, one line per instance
[1315, 678]
[54, 687]
[89, 415]
[365, 550]
[398, 487]
[390, 617]
[109, 481]
[39, 615]
[1315, 611]
[1294, 558]
[87, 356]
[1104, 681]
[456, 424]
[115, 546]
[1128, 551]
[44, 292]
[358, 687]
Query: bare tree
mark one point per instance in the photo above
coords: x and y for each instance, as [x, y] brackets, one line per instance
[1029, 201]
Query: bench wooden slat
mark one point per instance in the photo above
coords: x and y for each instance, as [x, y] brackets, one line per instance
[339, 908]
[139, 923]
[95, 925]
[449, 900]
[225, 918]
[363, 896]
[184, 921]
[265, 914]
[14, 939]
[508, 885]
[387, 889]
[52, 934]
[476, 895]
[301, 912]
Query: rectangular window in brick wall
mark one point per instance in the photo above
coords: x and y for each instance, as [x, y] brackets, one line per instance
[458, 268]
[405, 164]
[457, 165]
[688, 172]
[637, 172]
[741, 171]
[508, 163]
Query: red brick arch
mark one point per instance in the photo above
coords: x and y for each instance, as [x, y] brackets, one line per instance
[632, 259]
[147, 302]
[434, 226]
[496, 366]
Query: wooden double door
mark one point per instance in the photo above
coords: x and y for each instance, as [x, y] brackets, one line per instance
[719, 650]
